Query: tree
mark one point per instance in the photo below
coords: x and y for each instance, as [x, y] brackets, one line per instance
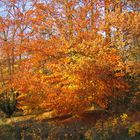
[71, 54]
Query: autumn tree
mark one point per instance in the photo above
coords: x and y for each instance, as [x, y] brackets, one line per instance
[70, 54]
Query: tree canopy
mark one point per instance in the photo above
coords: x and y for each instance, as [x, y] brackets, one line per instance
[65, 55]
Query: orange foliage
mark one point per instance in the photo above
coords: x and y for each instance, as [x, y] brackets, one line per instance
[68, 54]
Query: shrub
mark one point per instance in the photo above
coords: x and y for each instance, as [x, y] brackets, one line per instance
[8, 102]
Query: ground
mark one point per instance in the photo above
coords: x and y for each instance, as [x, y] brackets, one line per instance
[78, 127]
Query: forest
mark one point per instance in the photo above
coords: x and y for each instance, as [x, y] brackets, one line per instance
[69, 69]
